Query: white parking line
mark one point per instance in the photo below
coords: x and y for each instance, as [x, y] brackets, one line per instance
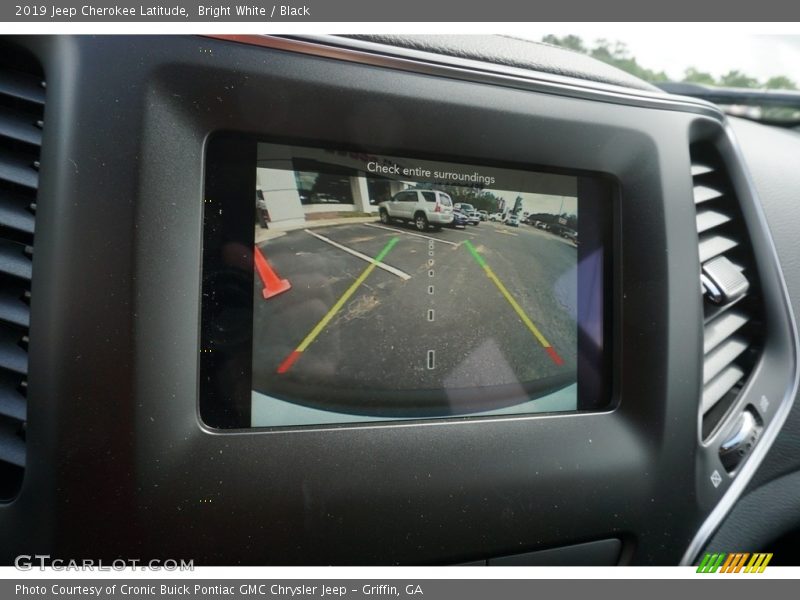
[465, 232]
[401, 274]
[427, 237]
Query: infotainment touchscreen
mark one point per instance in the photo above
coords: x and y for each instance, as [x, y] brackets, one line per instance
[353, 286]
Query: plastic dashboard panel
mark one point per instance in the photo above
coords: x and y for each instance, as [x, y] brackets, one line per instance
[118, 460]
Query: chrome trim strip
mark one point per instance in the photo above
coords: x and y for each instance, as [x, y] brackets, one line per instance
[726, 503]
[429, 63]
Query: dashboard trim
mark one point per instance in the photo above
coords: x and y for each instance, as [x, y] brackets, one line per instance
[428, 63]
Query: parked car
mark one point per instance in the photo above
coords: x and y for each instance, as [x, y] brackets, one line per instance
[483, 215]
[512, 220]
[459, 219]
[423, 208]
[570, 234]
[474, 218]
[561, 230]
[496, 216]
[564, 232]
[469, 210]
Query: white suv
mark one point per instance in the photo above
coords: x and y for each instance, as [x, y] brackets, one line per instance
[421, 207]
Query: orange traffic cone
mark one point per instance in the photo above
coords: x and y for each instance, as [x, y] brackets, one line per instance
[273, 285]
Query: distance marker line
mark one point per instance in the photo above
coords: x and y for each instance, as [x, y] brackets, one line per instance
[517, 308]
[295, 354]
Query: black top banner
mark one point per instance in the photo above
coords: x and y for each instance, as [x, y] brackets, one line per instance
[333, 11]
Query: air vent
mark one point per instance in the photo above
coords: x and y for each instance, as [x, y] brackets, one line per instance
[732, 311]
[21, 120]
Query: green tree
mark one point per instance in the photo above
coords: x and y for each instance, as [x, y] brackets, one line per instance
[608, 52]
[618, 55]
[780, 83]
[573, 42]
[736, 78]
[780, 113]
[692, 75]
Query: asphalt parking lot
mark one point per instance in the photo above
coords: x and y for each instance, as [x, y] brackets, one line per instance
[451, 309]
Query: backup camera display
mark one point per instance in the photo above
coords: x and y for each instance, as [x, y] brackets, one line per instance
[390, 288]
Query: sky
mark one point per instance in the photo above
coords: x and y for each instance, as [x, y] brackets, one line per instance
[674, 47]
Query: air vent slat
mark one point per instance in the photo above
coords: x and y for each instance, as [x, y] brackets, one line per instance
[720, 385]
[18, 170]
[12, 447]
[12, 354]
[704, 193]
[698, 169]
[722, 356]
[714, 245]
[21, 86]
[721, 328]
[15, 212]
[12, 402]
[13, 260]
[13, 308]
[712, 311]
[19, 128]
[709, 218]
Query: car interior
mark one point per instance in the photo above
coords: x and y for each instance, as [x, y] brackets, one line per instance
[240, 323]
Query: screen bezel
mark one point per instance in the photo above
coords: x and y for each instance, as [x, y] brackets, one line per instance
[225, 374]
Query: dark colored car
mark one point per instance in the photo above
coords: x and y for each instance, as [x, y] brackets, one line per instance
[570, 234]
[459, 219]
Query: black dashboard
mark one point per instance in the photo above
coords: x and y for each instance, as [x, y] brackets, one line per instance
[104, 426]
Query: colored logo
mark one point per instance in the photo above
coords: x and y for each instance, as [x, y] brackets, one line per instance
[734, 562]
